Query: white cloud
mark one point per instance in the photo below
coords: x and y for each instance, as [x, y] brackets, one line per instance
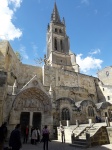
[95, 51]
[88, 63]
[85, 2]
[8, 31]
[23, 52]
[15, 3]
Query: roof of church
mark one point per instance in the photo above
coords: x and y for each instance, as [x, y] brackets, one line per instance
[103, 105]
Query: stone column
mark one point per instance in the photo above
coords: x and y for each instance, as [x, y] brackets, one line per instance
[31, 118]
[88, 139]
[90, 122]
[68, 123]
[60, 123]
[77, 123]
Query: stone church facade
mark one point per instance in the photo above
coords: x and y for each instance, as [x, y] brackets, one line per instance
[51, 94]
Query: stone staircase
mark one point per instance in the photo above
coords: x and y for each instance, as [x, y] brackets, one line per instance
[86, 136]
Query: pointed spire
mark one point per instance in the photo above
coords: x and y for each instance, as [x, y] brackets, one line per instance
[55, 15]
[63, 20]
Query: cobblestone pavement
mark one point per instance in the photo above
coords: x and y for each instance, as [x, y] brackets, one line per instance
[55, 145]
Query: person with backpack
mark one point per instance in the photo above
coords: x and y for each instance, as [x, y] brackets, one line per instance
[45, 134]
[3, 134]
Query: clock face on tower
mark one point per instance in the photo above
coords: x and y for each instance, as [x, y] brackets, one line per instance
[107, 73]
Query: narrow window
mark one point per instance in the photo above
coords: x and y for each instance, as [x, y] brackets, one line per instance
[61, 45]
[108, 97]
[90, 111]
[55, 29]
[55, 44]
[60, 31]
[103, 89]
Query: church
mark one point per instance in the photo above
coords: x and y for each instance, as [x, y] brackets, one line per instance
[49, 95]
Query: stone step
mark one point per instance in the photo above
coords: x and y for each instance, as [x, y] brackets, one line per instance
[80, 141]
[78, 145]
[82, 137]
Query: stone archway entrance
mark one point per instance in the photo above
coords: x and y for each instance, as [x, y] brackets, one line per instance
[36, 120]
[32, 107]
[25, 118]
[24, 121]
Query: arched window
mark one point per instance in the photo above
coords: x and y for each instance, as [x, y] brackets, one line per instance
[55, 44]
[56, 30]
[61, 45]
[90, 111]
[65, 114]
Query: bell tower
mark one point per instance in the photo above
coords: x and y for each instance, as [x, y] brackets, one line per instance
[58, 54]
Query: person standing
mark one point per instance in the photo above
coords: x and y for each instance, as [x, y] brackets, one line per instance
[38, 135]
[34, 136]
[107, 121]
[45, 134]
[26, 132]
[15, 138]
[31, 135]
[3, 134]
[62, 134]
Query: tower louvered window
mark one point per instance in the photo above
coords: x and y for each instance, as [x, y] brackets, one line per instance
[61, 45]
[55, 44]
[65, 114]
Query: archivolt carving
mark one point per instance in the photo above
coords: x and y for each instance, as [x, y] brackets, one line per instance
[32, 98]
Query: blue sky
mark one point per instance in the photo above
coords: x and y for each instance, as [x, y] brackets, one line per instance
[88, 25]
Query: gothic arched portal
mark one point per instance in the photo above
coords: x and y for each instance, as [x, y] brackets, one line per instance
[34, 101]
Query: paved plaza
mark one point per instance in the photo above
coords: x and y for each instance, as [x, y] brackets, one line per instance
[56, 145]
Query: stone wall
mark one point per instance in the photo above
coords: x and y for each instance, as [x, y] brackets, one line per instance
[105, 75]
[3, 94]
[109, 131]
[70, 84]
[100, 138]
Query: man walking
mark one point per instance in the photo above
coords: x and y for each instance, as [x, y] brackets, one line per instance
[45, 134]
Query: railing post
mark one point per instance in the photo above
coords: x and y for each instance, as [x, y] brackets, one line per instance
[88, 139]
[77, 123]
[68, 123]
[72, 138]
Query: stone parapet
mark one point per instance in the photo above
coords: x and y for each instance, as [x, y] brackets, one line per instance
[109, 131]
[100, 138]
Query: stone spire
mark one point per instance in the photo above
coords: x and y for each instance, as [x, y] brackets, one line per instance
[55, 15]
